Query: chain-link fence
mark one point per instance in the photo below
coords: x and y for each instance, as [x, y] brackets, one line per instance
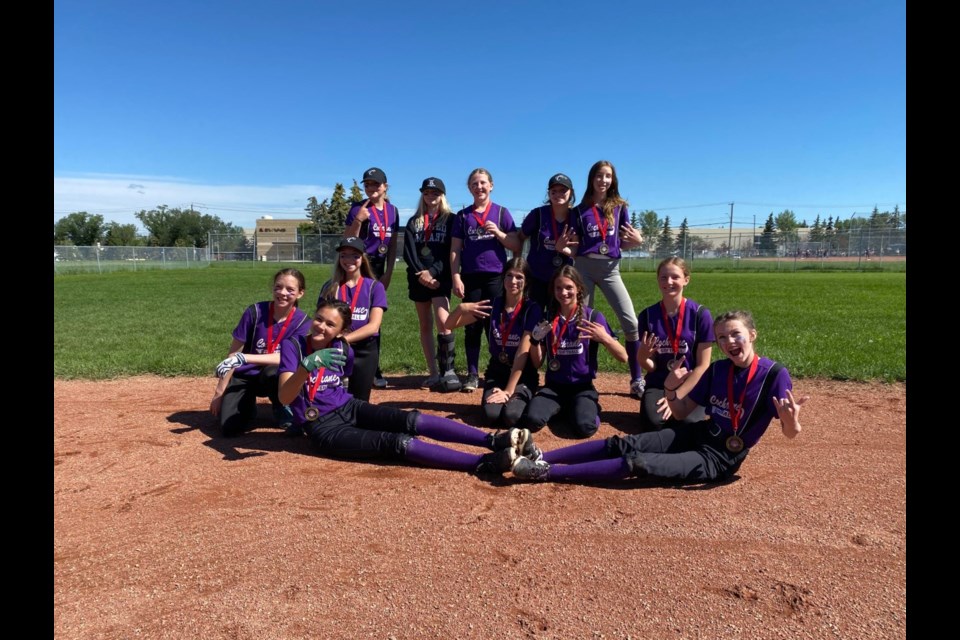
[71, 259]
[860, 249]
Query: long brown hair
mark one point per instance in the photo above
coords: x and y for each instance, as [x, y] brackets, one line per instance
[614, 199]
[566, 271]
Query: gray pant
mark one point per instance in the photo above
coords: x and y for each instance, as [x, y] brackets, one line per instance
[606, 273]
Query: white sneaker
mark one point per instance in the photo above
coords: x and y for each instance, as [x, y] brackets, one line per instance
[637, 387]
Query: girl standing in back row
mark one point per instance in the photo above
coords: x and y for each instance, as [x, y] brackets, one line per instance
[426, 250]
[477, 256]
[602, 223]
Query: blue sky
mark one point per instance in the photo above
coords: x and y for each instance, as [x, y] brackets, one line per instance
[246, 109]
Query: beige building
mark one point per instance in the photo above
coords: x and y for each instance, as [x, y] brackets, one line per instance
[278, 240]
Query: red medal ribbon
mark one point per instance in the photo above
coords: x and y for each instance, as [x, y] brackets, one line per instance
[383, 223]
[356, 294]
[427, 231]
[483, 220]
[553, 225]
[505, 333]
[674, 335]
[601, 226]
[320, 372]
[272, 344]
[734, 414]
[556, 337]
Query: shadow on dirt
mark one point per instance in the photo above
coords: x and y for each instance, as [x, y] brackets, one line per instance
[262, 438]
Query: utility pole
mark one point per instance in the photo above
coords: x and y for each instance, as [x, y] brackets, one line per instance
[730, 231]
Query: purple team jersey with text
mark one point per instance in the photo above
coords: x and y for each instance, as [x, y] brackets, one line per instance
[372, 294]
[693, 330]
[538, 227]
[586, 226]
[482, 252]
[371, 241]
[711, 392]
[578, 358]
[526, 320]
[331, 393]
[263, 326]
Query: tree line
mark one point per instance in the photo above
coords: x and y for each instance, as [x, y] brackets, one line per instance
[166, 227]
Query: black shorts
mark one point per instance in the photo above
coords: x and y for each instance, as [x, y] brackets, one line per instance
[420, 293]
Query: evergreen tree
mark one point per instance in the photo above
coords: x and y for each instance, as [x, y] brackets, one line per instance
[336, 217]
[317, 213]
[768, 240]
[816, 231]
[356, 193]
[681, 244]
[665, 242]
[634, 220]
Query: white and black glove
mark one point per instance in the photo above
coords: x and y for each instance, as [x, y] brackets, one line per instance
[540, 331]
[234, 361]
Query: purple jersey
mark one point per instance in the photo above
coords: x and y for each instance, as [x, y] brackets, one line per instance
[373, 225]
[588, 228]
[330, 393]
[482, 252]
[697, 329]
[577, 357]
[371, 294]
[257, 328]
[526, 320]
[756, 413]
[539, 227]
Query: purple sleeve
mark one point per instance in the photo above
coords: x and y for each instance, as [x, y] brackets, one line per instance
[533, 317]
[701, 391]
[378, 296]
[304, 328]
[705, 328]
[531, 224]
[352, 215]
[459, 230]
[600, 319]
[290, 355]
[506, 220]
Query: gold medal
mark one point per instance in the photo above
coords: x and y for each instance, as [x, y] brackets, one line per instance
[734, 444]
[554, 365]
[382, 249]
[311, 413]
[503, 357]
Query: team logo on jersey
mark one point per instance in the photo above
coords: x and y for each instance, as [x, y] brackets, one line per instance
[360, 313]
[570, 347]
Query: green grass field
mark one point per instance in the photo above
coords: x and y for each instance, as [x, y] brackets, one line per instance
[838, 325]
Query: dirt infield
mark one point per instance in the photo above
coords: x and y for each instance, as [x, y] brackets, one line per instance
[162, 529]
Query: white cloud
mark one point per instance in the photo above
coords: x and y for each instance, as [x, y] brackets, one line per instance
[118, 197]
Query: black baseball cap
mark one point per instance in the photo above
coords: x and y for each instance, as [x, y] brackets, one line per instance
[433, 183]
[352, 242]
[562, 179]
[376, 174]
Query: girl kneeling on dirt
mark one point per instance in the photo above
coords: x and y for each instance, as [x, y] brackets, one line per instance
[511, 378]
[311, 373]
[756, 389]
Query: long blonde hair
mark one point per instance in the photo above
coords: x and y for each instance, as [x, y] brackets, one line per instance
[442, 213]
[329, 290]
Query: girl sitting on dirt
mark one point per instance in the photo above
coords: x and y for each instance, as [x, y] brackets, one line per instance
[511, 378]
[741, 394]
[250, 370]
[569, 339]
[675, 331]
[311, 372]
